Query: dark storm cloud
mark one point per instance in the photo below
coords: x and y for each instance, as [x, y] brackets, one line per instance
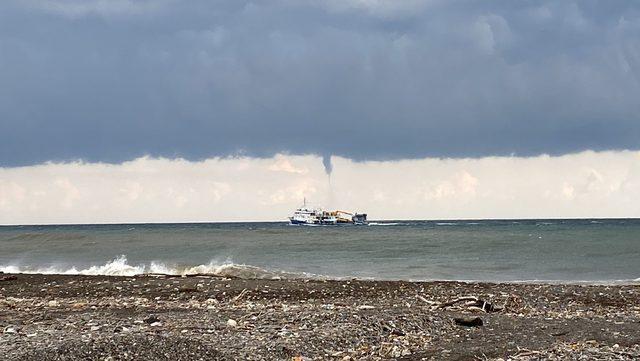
[113, 80]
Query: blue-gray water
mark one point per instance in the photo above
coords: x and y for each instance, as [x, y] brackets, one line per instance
[548, 250]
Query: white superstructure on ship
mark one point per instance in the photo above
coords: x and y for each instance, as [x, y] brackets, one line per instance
[317, 216]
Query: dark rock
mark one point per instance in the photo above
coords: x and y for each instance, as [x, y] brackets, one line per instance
[8, 278]
[468, 321]
[151, 319]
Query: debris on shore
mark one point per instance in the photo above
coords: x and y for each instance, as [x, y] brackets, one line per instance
[63, 317]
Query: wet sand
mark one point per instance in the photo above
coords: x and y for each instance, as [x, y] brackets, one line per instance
[58, 317]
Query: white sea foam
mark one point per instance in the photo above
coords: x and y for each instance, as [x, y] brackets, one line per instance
[383, 224]
[120, 267]
[10, 269]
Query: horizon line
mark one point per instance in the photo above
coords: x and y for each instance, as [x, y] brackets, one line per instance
[284, 221]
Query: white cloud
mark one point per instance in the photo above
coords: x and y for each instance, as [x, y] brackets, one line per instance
[10, 193]
[587, 184]
[282, 164]
[458, 185]
[68, 192]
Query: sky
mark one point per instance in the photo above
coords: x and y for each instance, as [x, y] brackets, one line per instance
[436, 89]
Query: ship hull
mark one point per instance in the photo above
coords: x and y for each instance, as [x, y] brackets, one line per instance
[304, 223]
[296, 222]
[317, 216]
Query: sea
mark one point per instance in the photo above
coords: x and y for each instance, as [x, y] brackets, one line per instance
[565, 251]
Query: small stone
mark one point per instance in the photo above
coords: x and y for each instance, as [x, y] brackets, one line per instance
[79, 305]
[232, 323]
[10, 329]
[53, 303]
[366, 307]
[151, 319]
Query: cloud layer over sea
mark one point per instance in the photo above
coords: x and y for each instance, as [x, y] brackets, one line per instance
[588, 184]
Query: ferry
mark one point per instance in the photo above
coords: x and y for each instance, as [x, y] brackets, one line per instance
[305, 215]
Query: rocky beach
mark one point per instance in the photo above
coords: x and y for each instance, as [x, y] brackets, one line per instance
[201, 317]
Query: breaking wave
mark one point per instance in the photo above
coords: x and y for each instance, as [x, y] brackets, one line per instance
[120, 267]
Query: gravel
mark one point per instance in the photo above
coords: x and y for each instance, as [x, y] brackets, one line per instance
[63, 317]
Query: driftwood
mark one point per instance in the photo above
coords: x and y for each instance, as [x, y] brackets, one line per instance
[526, 353]
[190, 275]
[430, 303]
[459, 299]
[157, 275]
[239, 296]
[472, 303]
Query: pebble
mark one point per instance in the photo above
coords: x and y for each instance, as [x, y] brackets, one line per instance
[10, 329]
[321, 320]
[366, 307]
[151, 319]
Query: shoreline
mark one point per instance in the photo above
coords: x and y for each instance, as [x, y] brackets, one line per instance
[281, 275]
[146, 317]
